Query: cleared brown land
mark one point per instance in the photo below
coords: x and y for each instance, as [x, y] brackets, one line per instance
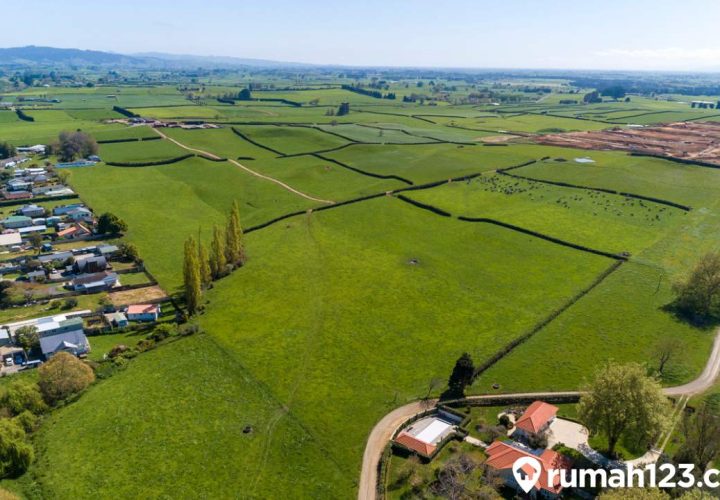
[684, 140]
[139, 295]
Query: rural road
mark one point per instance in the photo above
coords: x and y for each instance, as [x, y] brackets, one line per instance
[252, 172]
[386, 427]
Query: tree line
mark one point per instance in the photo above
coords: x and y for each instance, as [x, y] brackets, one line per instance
[201, 267]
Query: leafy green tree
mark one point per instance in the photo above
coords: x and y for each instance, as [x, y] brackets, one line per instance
[7, 150]
[244, 95]
[234, 250]
[27, 337]
[218, 262]
[204, 263]
[623, 401]
[191, 276]
[698, 297]
[461, 376]
[111, 224]
[592, 97]
[701, 445]
[36, 241]
[128, 251]
[16, 454]
[343, 109]
[63, 376]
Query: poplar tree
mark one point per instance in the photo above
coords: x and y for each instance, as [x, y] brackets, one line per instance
[191, 275]
[234, 251]
[204, 264]
[218, 262]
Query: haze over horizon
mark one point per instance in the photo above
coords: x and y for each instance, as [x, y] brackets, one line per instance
[614, 35]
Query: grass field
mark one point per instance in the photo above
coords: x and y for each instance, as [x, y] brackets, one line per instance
[341, 315]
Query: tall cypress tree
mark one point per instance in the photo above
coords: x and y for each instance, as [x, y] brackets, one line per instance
[234, 251]
[204, 265]
[218, 262]
[191, 275]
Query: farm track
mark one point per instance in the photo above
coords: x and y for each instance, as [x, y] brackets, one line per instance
[243, 167]
[384, 430]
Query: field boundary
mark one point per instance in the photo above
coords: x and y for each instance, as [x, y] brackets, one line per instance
[362, 172]
[660, 201]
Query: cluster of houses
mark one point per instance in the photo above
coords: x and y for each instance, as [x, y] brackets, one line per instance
[84, 270]
[31, 182]
[426, 436]
[73, 221]
[65, 333]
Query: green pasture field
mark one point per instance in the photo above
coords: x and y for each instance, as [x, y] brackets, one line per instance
[369, 134]
[291, 140]
[160, 413]
[524, 123]
[139, 151]
[322, 178]
[602, 221]
[222, 142]
[432, 162]
[165, 204]
[336, 294]
[680, 183]
[125, 132]
[186, 111]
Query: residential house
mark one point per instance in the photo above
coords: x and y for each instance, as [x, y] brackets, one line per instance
[39, 228]
[8, 240]
[75, 343]
[58, 257]
[59, 191]
[32, 211]
[96, 282]
[143, 312]
[424, 436]
[19, 185]
[4, 337]
[502, 455]
[107, 251]
[80, 214]
[116, 320]
[53, 220]
[90, 264]
[536, 419]
[64, 209]
[36, 275]
[56, 325]
[73, 232]
[36, 149]
[16, 221]
[16, 195]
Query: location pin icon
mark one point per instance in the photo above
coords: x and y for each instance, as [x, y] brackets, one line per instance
[527, 472]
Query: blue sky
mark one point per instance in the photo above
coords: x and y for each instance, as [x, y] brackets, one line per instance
[609, 34]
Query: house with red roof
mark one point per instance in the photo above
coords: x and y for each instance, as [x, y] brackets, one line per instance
[536, 419]
[503, 455]
[143, 312]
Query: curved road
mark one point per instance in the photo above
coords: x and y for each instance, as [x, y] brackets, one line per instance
[386, 427]
[250, 171]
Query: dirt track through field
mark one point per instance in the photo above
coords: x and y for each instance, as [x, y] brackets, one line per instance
[250, 171]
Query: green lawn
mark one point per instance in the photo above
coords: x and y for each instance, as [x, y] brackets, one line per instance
[171, 425]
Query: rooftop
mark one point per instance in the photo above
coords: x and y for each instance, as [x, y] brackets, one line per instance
[536, 416]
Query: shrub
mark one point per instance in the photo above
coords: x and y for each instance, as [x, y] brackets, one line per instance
[23, 395]
[69, 303]
[145, 345]
[118, 350]
[63, 376]
[505, 421]
[161, 332]
[27, 420]
[16, 454]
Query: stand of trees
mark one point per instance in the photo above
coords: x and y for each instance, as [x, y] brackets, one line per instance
[200, 267]
[343, 109]
[73, 145]
[111, 224]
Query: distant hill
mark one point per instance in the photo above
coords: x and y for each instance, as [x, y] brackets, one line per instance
[32, 55]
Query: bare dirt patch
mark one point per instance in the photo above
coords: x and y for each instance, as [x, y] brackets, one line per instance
[138, 295]
[683, 140]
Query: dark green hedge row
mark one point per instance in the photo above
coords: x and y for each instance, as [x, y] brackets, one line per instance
[424, 206]
[267, 148]
[149, 163]
[114, 141]
[362, 172]
[545, 237]
[21, 115]
[652, 199]
[677, 160]
[542, 324]
[125, 112]
[37, 199]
